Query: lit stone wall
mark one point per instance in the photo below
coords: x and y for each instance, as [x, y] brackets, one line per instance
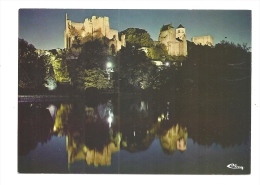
[96, 28]
[203, 40]
[174, 40]
[180, 33]
[167, 36]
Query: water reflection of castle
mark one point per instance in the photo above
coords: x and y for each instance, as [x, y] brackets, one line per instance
[79, 151]
[95, 139]
[94, 133]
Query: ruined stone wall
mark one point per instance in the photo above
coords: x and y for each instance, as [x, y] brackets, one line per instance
[167, 37]
[112, 34]
[94, 28]
[177, 48]
[174, 48]
[183, 48]
[98, 25]
[203, 40]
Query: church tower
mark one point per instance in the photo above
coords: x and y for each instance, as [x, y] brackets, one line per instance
[180, 33]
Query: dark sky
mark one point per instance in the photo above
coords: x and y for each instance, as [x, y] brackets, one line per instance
[44, 28]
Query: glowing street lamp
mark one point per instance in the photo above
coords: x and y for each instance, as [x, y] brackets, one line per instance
[109, 65]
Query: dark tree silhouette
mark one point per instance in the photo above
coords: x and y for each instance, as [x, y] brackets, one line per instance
[31, 67]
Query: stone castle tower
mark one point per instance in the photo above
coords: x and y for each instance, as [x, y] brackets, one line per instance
[174, 40]
[90, 29]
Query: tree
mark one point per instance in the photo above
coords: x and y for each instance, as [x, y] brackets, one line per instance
[137, 37]
[135, 69]
[222, 71]
[31, 66]
[91, 60]
[59, 64]
[96, 78]
[93, 55]
[157, 51]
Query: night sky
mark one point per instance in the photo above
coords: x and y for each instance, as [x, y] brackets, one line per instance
[44, 28]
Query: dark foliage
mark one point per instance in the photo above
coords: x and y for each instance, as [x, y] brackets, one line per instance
[135, 70]
[137, 37]
[31, 67]
[223, 71]
[35, 124]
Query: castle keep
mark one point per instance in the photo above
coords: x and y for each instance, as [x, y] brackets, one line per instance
[174, 40]
[90, 29]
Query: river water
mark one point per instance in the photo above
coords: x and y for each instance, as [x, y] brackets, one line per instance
[134, 135]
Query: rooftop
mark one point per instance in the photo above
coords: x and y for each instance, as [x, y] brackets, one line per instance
[180, 26]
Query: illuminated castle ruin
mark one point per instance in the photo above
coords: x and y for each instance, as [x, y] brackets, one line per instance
[98, 28]
[91, 29]
[203, 40]
[174, 40]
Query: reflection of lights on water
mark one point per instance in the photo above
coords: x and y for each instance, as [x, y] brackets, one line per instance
[110, 118]
[167, 116]
[53, 109]
[142, 105]
[162, 116]
[54, 128]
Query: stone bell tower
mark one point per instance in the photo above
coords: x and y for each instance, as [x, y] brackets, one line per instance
[180, 33]
[174, 40]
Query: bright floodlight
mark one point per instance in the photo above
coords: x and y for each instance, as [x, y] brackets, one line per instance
[109, 64]
[167, 63]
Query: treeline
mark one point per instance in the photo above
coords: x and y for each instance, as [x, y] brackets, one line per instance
[137, 37]
[38, 70]
[85, 67]
[220, 71]
[31, 67]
